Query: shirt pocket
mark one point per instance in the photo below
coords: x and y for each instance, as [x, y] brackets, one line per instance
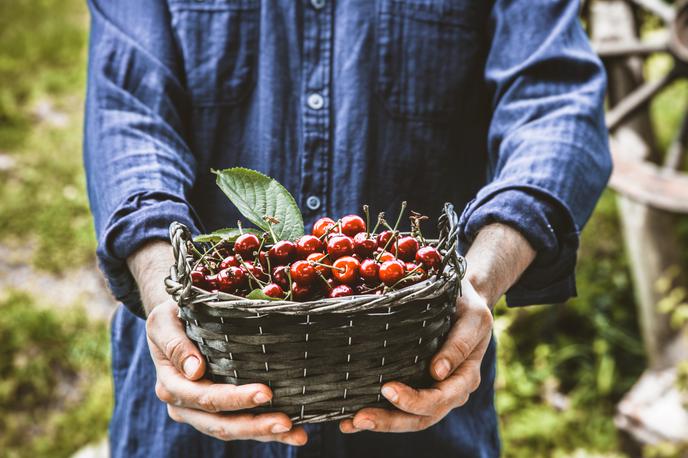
[427, 50]
[218, 40]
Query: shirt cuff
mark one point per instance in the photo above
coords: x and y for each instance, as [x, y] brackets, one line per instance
[141, 218]
[547, 225]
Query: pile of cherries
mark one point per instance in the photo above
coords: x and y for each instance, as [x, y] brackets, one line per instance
[339, 258]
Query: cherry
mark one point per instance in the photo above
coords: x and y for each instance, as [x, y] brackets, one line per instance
[307, 245]
[282, 252]
[229, 261]
[231, 279]
[339, 246]
[263, 259]
[364, 244]
[392, 271]
[303, 273]
[321, 226]
[341, 291]
[417, 270]
[212, 282]
[280, 276]
[386, 239]
[429, 257]
[273, 290]
[406, 248]
[255, 270]
[352, 225]
[386, 256]
[369, 271]
[322, 259]
[198, 279]
[345, 269]
[246, 245]
[300, 292]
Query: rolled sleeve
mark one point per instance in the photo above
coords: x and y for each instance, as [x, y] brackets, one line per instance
[547, 144]
[139, 168]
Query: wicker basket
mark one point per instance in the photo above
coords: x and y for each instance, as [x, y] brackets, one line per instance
[328, 358]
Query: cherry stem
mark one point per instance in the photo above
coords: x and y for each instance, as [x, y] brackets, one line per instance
[289, 295]
[367, 216]
[241, 229]
[316, 263]
[245, 266]
[380, 218]
[406, 277]
[324, 280]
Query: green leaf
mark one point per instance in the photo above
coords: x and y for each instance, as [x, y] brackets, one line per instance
[229, 234]
[259, 295]
[257, 196]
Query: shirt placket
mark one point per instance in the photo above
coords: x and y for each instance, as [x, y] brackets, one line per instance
[316, 100]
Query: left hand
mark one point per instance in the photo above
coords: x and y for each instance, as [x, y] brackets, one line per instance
[456, 367]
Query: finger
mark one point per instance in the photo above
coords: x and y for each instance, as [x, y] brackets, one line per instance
[207, 396]
[265, 427]
[440, 399]
[469, 331]
[347, 426]
[166, 332]
[391, 421]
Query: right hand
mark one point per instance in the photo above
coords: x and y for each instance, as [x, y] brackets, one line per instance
[201, 403]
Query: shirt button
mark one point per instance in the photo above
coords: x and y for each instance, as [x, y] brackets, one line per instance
[313, 203]
[317, 4]
[316, 101]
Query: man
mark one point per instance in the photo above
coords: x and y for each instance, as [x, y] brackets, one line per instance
[496, 106]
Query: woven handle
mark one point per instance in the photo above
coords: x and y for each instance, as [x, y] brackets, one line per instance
[179, 282]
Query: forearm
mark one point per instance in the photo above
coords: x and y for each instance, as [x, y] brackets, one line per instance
[496, 259]
[149, 266]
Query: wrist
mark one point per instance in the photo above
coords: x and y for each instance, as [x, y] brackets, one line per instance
[149, 266]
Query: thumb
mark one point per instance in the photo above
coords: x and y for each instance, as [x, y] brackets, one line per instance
[170, 345]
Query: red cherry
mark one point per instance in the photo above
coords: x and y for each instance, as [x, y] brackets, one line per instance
[255, 270]
[231, 279]
[229, 261]
[280, 276]
[282, 252]
[406, 248]
[339, 246]
[429, 257]
[369, 271]
[322, 259]
[352, 225]
[391, 272]
[364, 244]
[198, 279]
[386, 256]
[341, 291]
[212, 282]
[300, 292]
[246, 245]
[273, 290]
[321, 226]
[307, 245]
[385, 240]
[263, 259]
[417, 270]
[345, 269]
[303, 273]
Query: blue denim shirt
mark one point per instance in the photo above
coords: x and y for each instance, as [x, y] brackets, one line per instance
[496, 106]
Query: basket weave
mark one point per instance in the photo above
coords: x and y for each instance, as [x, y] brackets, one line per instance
[328, 358]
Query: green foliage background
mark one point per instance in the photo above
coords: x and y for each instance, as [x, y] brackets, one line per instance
[586, 352]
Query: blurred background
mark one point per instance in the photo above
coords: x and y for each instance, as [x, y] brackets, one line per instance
[565, 371]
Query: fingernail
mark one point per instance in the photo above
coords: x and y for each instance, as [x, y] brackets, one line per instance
[279, 428]
[442, 368]
[260, 398]
[365, 424]
[389, 393]
[190, 365]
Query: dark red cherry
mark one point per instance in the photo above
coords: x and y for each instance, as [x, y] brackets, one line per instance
[282, 252]
[352, 225]
[429, 257]
[300, 292]
[246, 245]
[345, 270]
[364, 244]
[280, 276]
[341, 291]
[391, 272]
[255, 271]
[263, 259]
[386, 256]
[339, 246]
[385, 240]
[303, 273]
[369, 271]
[212, 282]
[308, 244]
[321, 226]
[198, 279]
[406, 248]
[231, 279]
[229, 261]
[273, 290]
[320, 258]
